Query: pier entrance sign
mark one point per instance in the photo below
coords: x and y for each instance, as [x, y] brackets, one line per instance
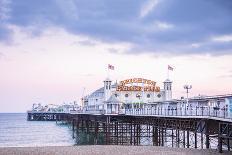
[138, 84]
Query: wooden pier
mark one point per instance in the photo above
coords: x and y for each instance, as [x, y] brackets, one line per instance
[129, 129]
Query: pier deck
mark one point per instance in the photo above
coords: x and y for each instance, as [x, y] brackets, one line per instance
[141, 128]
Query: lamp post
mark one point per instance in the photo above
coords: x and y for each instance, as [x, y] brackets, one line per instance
[187, 87]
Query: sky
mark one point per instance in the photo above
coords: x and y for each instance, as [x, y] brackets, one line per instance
[56, 51]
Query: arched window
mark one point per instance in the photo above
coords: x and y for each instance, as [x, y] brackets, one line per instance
[148, 95]
[159, 95]
[138, 96]
[126, 95]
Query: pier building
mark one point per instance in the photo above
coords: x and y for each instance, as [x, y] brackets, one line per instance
[127, 94]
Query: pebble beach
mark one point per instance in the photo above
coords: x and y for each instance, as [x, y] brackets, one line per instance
[106, 150]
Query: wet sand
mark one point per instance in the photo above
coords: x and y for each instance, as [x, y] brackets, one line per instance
[105, 150]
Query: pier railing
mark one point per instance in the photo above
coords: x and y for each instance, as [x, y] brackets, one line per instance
[196, 111]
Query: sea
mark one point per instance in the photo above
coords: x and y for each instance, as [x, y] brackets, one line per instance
[16, 131]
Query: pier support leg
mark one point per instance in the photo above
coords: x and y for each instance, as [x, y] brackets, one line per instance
[195, 139]
[228, 144]
[184, 138]
[178, 137]
[77, 132]
[162, 136]
[220, 144]
[73, 129]
[155, 136]
[96, 133]
[131, 134]
[172, 137]
[187, 138]
[159, 132]
[207, 142]
[202, 139]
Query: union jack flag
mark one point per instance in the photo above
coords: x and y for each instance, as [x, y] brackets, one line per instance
[110, 67]
[170, 68]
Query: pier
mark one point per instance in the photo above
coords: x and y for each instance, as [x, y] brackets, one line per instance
[197, 128]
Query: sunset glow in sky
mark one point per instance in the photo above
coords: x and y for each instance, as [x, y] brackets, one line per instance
[50, 50]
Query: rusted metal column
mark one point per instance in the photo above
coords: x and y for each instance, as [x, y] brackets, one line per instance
[77, 131]
[73, 129]
[104, 131]
[195, 139]
[155, 135]
[202, 134]
[220, 139]
[207, 142]
[188, 138]
[159, 132]
[219, 144]
[228, 144]
[107, 130]
[178, 137]
[82, 125]
[135, 129]
[131, 133]
[138, 134]
[87, 131]
[184, 138]
[172, 137]
[116, 132]
[96, 132]
[162, 136]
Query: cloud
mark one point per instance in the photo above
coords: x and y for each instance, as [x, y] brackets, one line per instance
[1, 55]
[195, 45]
[72, 11]
[164, 27]
[4, 9]
[225, 76]
[86, 75]
[148, 7]
[113, 50]
[223, 38]
[84, 43]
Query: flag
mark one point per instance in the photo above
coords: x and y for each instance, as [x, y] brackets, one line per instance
[170, 68]
[110, 67]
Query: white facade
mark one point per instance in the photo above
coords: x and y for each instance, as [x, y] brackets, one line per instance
[109, 96]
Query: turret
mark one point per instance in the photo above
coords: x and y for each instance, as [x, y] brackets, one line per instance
[107, 89]
[168, 89]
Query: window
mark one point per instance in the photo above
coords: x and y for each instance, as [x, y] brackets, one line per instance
[148, 95]
[126, 95]
[159, 95]
[116, 95]
[138, 96]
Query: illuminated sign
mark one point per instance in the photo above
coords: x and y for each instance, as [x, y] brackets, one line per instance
[147, 85]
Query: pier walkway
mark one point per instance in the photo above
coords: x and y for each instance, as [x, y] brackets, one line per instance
[199, 128]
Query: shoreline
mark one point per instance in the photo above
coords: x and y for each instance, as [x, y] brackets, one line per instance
[106, 150]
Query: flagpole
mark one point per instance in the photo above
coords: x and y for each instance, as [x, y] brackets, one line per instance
[108, 72]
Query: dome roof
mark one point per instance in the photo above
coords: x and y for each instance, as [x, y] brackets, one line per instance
[113, 99]
[167, 80]
[107, 79]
